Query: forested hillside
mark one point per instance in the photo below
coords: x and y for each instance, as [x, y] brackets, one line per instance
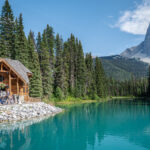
[121, 68]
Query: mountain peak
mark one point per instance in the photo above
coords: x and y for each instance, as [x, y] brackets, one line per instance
[148, 30]
[142, 51]
[146, 48]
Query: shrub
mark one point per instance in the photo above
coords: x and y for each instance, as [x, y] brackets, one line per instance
[59, 94]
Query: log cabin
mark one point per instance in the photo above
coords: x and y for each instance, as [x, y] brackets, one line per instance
[14, 77]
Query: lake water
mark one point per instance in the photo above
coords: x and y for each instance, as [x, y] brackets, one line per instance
[114, 125]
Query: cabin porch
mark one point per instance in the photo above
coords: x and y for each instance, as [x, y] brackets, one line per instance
[12, 87]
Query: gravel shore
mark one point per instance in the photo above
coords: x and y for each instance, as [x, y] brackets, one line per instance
[19, 112]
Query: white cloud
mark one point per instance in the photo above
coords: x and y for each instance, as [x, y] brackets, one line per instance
[135, 21]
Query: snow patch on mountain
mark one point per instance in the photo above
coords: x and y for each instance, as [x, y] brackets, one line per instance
[140, 52]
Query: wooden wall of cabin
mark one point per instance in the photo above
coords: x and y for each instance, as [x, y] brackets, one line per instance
[23, 89]
[20, 89]
[26, 92]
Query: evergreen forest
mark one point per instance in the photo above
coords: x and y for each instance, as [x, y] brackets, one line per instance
[60, 68]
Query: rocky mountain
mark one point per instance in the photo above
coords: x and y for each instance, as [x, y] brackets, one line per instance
[142, 51]
[123, 68]
[133, 61]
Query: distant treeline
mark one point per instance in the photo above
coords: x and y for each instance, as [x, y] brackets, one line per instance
[60, 69]
[133, 87]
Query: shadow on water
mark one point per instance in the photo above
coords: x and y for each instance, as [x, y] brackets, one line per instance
[86, 127]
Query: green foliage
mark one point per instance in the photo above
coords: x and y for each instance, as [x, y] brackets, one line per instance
[80, 70]
[2, 86]
[38, 46]
[59, 94]
[58, 75]
[6, 31]
[99, 78]
[90, 77]
[65, 57]
[72, 58]
[74, 64]
[50, 39]
[62, 72]
[133, 87]
[95, 97]
[21, 51]
[121, 68]
[34, 66]
[45, 68]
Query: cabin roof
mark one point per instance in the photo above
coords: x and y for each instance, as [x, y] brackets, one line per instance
[19, 68]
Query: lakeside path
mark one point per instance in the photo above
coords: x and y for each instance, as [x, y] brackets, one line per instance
[27, 111]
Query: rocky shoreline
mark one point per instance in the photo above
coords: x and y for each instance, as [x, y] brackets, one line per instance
[27, 111]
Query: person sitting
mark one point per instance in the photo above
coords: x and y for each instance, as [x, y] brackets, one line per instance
[4, 93]
[11, 100]
[7, 92]
[7, 96]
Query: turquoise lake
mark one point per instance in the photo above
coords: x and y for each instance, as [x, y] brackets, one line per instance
[113, 125]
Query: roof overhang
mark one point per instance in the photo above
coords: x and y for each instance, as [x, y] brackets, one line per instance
[12, 69]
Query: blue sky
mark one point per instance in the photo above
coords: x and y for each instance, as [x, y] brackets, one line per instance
[105, 27]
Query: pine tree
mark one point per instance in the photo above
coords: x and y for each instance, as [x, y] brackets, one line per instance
[58, 76]
[45, 68]
[21, 50]
[38, 46]
[15, 39]
[66, 64]
[50, 43]
[76, 89]
[90, 82]
[72, 57]
[34, 66]
[6, 31]
[75, 67]
[50, 39]
[80, 70]
[99, 78]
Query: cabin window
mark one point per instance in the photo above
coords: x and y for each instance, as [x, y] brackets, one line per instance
[27, 90]
[1, 78]
[4, 68]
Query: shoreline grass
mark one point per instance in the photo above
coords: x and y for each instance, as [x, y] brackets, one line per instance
[75, 101]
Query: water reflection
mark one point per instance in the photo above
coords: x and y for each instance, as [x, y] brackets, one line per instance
[86, 127]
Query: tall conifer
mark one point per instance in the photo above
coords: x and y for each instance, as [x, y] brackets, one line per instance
[50, 39]
[71, 49]
[80, 70]
[58, 75]
[6, 31]
[15, 39]
[21, 51]
[66, 64]
[90, 78]
[38, 46]
[34, 66]
[45, 68]
[99, 78]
